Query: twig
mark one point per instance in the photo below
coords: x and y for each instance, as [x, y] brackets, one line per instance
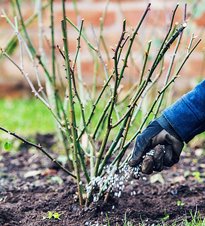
[21, 44]
[12, 43]
[33, 51]
[41, 149]
[78, 44]
[95, 105]
[171, 65]
[121, 153]
[40, 27]
[82, 34]
[26, 77]
[132, 41]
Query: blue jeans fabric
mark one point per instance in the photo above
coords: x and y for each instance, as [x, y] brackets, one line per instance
[187, 115]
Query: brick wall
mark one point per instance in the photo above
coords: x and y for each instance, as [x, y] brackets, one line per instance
[154, 28]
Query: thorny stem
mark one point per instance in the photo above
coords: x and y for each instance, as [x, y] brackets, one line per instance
[78, 46]
[132, 103]
[51, 82]
[140, 93]
[27, 79]
[94, 106]
[80, 102]
[113, 99]
[131, 43]
[115, 142]
[167, 35]
[132, 116]
[111, 105]
[133, 88]
[147, 90]
[121, 153]
[100, 121]
[145, 61]
[76, 162]
[32, 87]
[125, 136]
[73, 77]
[164, 50]
[53, 45]
[105, 67]
[169, 73]
[101, 38]
[116, 58]
[13, 41]
[33, 51]
[40, 27]
[39, 147]
[159, 57]
[82, 34]
[21, 43]
[122, 134]
[66, 135]
[58, 106]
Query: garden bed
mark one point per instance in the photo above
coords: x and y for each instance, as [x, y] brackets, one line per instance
[31, 186]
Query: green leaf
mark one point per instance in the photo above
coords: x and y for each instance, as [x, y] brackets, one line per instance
[7, 146]
[56, 215]
[180, 203]
[50, 214]
[166, 217]
[197, 176]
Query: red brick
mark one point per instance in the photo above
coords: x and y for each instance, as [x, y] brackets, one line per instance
[201, 20]
[130, 1]
[193, 67]
[89, 16]
[13, 90]
[3, 23]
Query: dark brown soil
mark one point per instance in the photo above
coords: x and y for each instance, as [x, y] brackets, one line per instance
[30, 187]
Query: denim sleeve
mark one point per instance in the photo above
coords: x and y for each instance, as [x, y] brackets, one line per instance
[187, 115]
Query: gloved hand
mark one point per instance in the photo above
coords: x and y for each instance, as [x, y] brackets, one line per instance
[166, 143]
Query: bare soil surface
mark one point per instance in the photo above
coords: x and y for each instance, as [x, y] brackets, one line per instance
[30, 186]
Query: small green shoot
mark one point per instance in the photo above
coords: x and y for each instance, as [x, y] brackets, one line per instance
[108, 220]
[53, 215]
[56, 215]
[126, 222]
[180, 203]
[166, 217]
[50, 214]
[197, 176]
[7, 145]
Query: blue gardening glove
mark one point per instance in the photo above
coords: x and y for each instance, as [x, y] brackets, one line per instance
[167, 145]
